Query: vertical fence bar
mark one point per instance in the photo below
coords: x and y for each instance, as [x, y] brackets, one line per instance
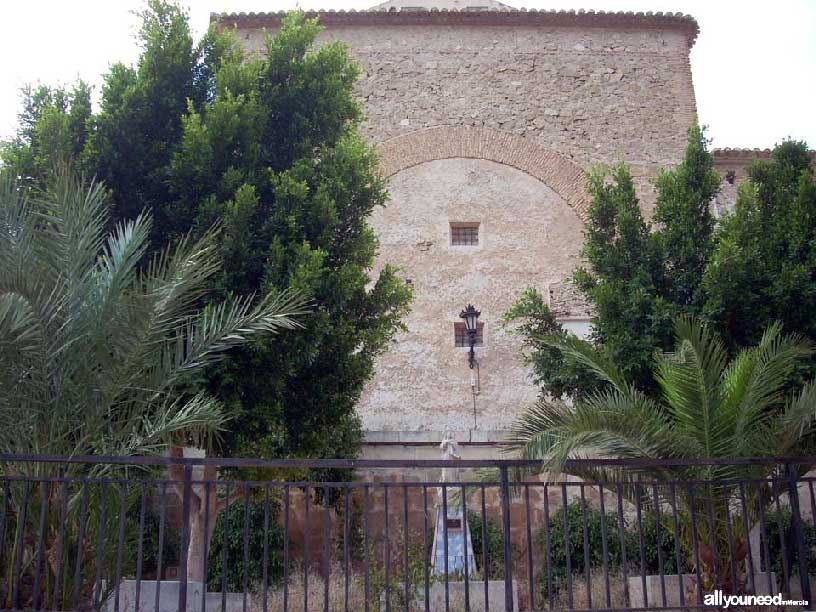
[83, 517]
[326, 560]
[245, 583]
[162, 512]
[265, 570]
[695, 543]
[641, 544]
[548, 546]
[715, 553]
[306, 539]
[445, 543]
[44, 486]
[3, 517]
[425, 546]
[585, 533]
[622, 537]
[59, 544]
[508, 552]
[783, 546]
[677, 548]
[485, 562]
[466, 535]
[225, 547]
[120, 544]
[567, 543]
[387, 552]
[139, 547]
[604, 547]
[205, 536]
[366, 585]
[730, 537]
[763, 536]
[18, 557]
[185, 536]
[530, 581]
[659, 540]
[346, 548]
[796, 523]
[747, 529]
[100, 544]
[285, 548]
[406, 577]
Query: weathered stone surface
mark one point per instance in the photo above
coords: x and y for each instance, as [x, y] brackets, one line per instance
[493, 118]
[528, 235]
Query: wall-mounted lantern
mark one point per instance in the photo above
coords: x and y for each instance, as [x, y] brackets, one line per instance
[471, 316]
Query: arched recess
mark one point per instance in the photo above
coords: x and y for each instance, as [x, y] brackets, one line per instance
[563, 176]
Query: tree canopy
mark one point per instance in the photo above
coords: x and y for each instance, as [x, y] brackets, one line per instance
[267, 145]
[740, 273]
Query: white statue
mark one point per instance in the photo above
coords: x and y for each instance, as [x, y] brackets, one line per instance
[450, 451]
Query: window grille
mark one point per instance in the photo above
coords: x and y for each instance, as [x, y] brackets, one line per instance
[464, 234]
[461, 336]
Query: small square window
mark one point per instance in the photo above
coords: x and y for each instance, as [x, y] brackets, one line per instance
[464, 234]
[460, 336]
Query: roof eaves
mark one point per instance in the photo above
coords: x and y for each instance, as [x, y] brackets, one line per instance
[492, 16]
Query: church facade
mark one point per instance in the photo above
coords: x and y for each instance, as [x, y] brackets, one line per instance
[486, 119]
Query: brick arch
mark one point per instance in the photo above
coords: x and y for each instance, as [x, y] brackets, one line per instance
[560, 174]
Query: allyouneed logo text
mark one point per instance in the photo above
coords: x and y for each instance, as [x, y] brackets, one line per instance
[720, 599]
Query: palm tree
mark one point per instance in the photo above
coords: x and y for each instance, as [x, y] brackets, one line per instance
[97, 350]
[706, 408]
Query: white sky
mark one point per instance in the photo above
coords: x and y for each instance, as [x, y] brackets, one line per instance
[754, 63]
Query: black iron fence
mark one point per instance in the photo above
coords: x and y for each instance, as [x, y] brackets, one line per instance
[109, 533]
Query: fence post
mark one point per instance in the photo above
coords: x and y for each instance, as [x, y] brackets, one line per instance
[508, 552]
[796, 523]
[185, 537]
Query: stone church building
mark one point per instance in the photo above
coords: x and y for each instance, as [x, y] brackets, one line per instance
[486, 119]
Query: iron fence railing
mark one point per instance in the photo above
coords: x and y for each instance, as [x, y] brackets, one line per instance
[160, 533]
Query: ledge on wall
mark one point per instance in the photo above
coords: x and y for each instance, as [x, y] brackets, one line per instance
[471, 437]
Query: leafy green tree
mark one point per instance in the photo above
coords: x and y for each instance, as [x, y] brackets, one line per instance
[277, 157]
[268, 146]
[764, 264]
[53, 129]
[95, 353]
[706, 408]
[637, 277]
[140, 120]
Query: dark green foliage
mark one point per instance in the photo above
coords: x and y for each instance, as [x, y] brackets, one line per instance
[253, 514]
[757, 267]
[267, 147]
[559, 374]
[577, 517]
[150, 542]
[575, 542]
[53, 129]
[495, 545]
[772, 528]
[651, 559]
[764, 264]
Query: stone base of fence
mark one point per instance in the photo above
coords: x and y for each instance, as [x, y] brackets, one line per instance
[169, 598]
[654, 590]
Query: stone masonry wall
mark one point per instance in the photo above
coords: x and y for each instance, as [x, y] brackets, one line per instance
[557, 98]
[593, 95]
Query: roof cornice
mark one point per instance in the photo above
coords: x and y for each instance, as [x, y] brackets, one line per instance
[489, 17]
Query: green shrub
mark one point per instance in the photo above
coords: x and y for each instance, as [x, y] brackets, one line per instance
[668, 546]
[772, 520]
[150, 541]
[594, 527]
[495, 545]
[255, 549]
